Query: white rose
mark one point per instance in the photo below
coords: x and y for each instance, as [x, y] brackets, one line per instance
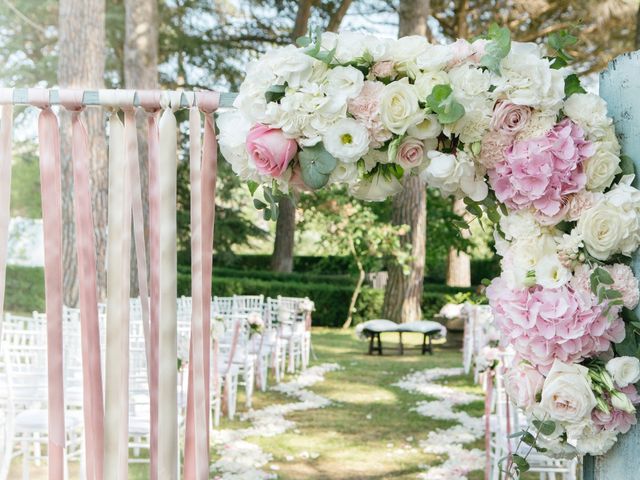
[566, 393]
[399, 108]
[344, 83]
[601, 168]
[428, 128]
[528, 79]
[425, 82]
[624, 370]
[234, 128]
[589, 111]
[344, 173]
[550, 273]
[434, 58]
[523, 383]
[347, 140]
[376, 189]
[603, 229]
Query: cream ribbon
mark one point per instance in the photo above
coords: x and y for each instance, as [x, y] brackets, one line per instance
[168, 450]
[118, 290]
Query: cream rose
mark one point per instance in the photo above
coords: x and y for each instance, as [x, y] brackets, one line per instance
[566, 393]
[601, 169]
[602, 229]
[399, 108]
[411, 153]
[523, 384]
[624, 370]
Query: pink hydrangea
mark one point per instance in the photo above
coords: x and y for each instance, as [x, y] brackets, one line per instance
[541, 172]
[544, 324]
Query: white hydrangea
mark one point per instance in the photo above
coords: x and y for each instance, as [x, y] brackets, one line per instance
[234, 128]
[590, 112]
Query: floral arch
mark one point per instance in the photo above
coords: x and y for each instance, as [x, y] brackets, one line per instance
[508, 127]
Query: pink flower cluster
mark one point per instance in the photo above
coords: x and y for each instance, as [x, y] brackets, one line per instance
[617, 420]
[544, 324]
[541, 172]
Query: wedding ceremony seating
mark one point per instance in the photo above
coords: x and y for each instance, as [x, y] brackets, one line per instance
[372, 329]
[242, 356]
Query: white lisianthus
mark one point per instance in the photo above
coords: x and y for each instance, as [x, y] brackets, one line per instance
[566, 394]
[347, 140]
[620, 401]
[590, 112]
[521, 258]
[427, 128]
[374, 157]
[344, 83]
[425, 82]
[550, 273]
[454, 175]
[376, 189]
[528, 79]
[344, 173]
[399, 108]
[624, 370]
[601, 168]
[234, 128]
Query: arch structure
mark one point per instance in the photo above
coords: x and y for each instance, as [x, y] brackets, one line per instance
[508, 128]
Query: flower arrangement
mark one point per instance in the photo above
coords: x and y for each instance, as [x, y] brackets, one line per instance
[506, 126]
[255, 323]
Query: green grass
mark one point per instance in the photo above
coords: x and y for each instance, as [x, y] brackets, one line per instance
[351, 446]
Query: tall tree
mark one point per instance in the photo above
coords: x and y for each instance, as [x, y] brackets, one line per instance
[81, 63]
[141, 73]
[403, 293]
[282, 257]
[458, 261]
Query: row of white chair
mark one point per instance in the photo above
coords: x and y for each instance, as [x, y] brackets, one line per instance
[241, 356]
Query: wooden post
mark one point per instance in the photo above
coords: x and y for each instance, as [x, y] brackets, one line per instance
[620, 87]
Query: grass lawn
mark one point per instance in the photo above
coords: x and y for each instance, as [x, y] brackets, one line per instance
[363, 435]
[369, 433]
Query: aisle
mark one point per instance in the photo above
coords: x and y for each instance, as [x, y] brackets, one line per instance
[371, 430]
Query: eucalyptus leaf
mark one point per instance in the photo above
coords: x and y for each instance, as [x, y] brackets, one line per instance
[572, 85]
[545, 427]
[253, 186]
[316, 165]
[275, 93]
[444, 105]
[498, 47]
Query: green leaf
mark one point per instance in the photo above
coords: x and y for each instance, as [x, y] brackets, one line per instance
[253, 186]
[559, 41]
[275, 93]
[394, 145]
[498, 47]
[558, 63]
[316, 165]
[603, 276]
[626, 165]
[444, 105]
[529, 439]
[259, 204]
[460, 224]
[304, 41]
[572, 85]
[520, 462]
[545, 427]
[517, 434]
[486, 282]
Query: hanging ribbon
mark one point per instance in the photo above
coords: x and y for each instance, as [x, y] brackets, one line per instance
[487, 423]
[167, 315]
[118, 291]
[90, 330]
[6, 141]
[50, 180]
[150, 102]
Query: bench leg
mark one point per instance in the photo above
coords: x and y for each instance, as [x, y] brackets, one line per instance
[401, 346]
[379, 344]
[371, 337]
[430, 347]
[424, 344]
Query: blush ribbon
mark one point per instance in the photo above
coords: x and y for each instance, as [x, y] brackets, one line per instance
[51, 188]
[6, 143]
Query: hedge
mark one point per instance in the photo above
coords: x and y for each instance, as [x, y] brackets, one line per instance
[24, 289]
[267, 275]
[332, 265]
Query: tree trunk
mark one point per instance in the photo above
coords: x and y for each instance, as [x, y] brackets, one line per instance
[403, 293]
[356, 292]
[81, 61]
[141, 73]
[637, 37]
[282, 257]
[459, 263]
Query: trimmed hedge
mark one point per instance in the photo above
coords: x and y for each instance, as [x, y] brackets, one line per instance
[24, 289]
[267, 275]
[332, 265]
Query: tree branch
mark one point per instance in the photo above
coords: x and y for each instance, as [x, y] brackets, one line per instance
[336, 17]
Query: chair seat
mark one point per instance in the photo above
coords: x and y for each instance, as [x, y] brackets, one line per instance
[36, 420]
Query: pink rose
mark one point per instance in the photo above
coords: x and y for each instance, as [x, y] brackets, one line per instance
[522, 384]
[270, 150]
[509, 118]
[383, 69]
[411, 153]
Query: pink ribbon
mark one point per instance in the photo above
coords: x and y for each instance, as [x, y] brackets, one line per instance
[150, 102]
[90, 333]
[6, 140]
[203, 166]
[487, 424]
[50, 180]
